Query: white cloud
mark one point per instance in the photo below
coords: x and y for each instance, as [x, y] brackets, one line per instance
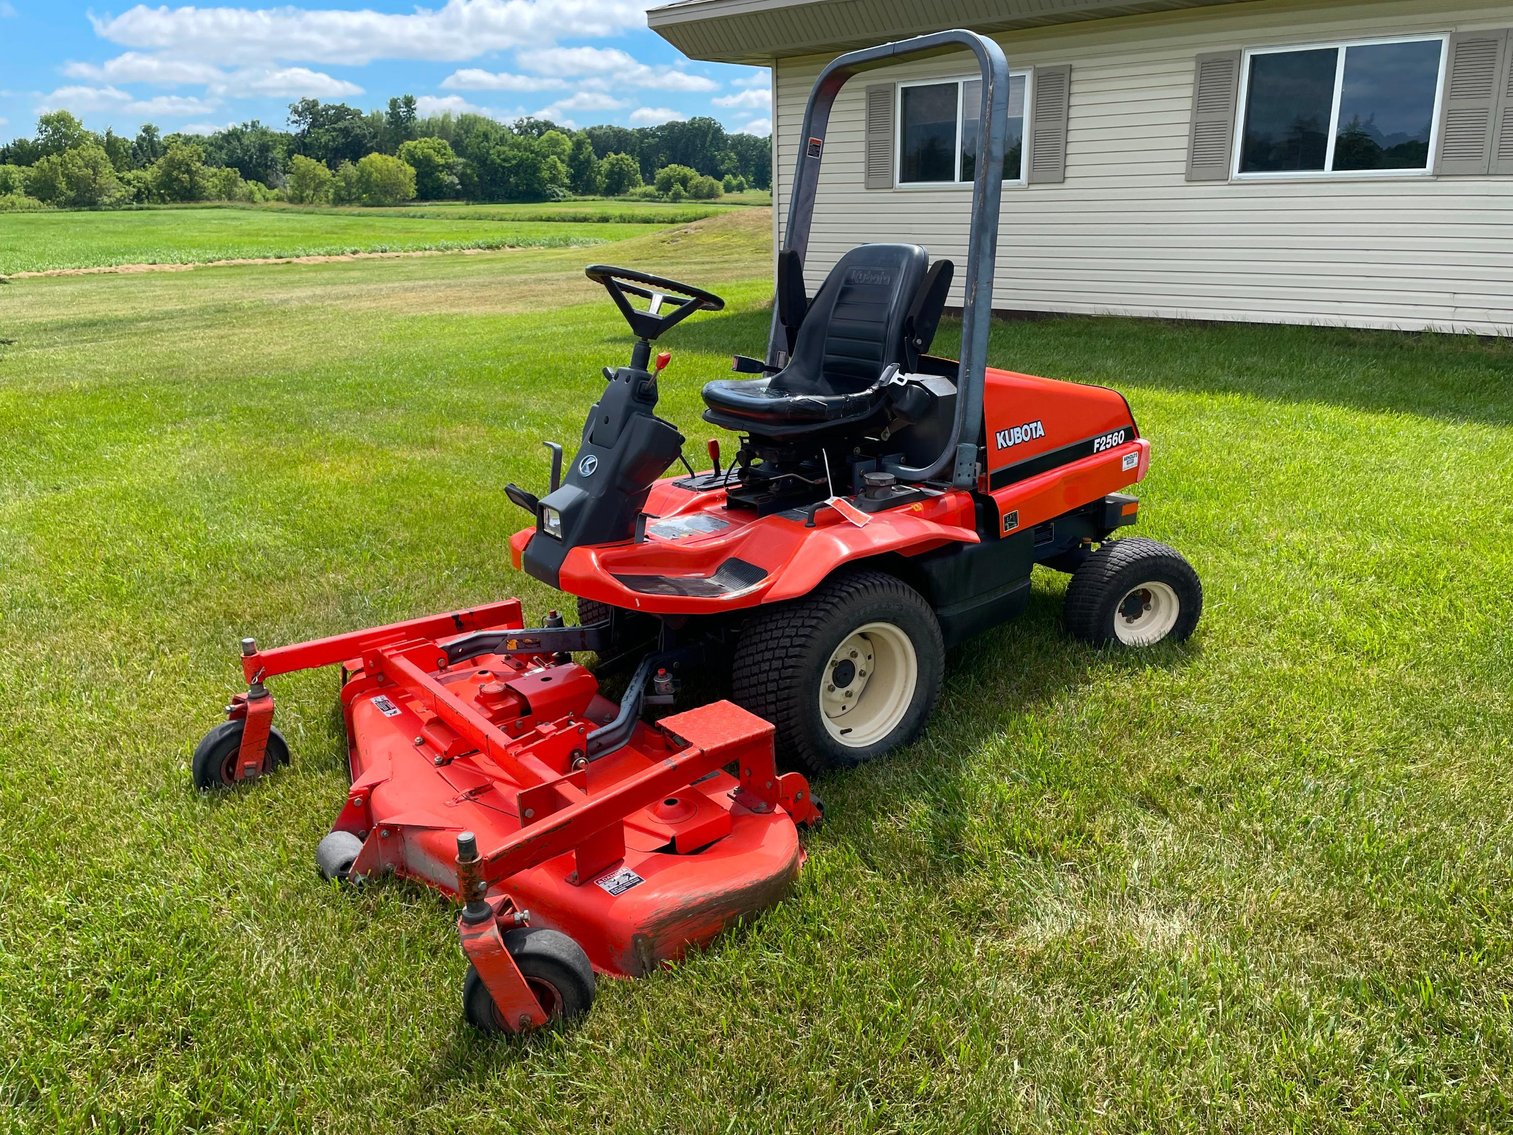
[135, 67]
[474, 79]
[290, 82]
[202, 128]
[83, 100]
[654, 116]
[459, 29]
[761, 127]
[586, 101]
[754, 99]
[601, 65]
[454, 104]
[755, 79]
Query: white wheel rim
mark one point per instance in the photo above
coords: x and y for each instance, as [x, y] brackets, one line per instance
[867, 685]
[1146, 614]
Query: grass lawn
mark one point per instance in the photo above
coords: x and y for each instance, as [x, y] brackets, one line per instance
[1260, 883]
[33, 242]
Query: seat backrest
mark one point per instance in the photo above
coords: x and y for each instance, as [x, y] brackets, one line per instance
[855, 324]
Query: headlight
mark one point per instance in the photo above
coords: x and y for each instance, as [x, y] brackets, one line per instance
[551, 522]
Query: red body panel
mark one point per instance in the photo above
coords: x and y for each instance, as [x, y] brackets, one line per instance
[1052, 447]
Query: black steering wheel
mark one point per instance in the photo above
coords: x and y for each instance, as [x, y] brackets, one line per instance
[671, 302]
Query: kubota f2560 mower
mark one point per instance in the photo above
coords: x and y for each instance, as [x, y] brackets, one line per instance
[882, 504]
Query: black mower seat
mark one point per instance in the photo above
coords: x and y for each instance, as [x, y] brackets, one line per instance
[878, 308]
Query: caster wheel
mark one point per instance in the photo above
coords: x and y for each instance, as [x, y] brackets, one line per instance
[214, 762]
[1133, 593]
[846, 674]
[335, 854]
[553, 965]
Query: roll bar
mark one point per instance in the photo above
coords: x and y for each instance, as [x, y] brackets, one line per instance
[960, 455]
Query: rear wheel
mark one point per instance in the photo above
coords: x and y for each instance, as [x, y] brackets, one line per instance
[554, 967]
[1134, 593]
[844, 675]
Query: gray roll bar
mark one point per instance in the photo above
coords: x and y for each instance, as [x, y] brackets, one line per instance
[961, 453]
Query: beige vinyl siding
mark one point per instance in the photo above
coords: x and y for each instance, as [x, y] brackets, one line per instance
[1127, 233]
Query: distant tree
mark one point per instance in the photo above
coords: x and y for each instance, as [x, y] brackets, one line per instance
[255, 151]
[675, 175]
[119, 150]
[80, 177]
[309, 181]
[12, 180]
[59, 131]
[622, 173]
[435, 166]
[384, 180]
[517, 169]
[399, 121]
[556, 144]
[20, 152]
[584, 174]
[147, 147]
[613, 140]
[331, 132]
[344, 187]
[753, 159]
[704, 188]
[531, 127]
[225, 184]
[181, 174]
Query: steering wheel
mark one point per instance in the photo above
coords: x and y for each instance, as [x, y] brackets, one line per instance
[661, 292]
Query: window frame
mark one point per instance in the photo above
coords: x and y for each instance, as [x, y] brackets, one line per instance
[1341, 48]
[1025, 73]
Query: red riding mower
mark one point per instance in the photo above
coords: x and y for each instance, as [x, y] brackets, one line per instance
[883, 504]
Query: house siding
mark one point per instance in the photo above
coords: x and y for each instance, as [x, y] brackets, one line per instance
[1127, 233]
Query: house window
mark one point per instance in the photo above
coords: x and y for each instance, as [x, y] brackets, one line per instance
[1349, 107]
[937, 131]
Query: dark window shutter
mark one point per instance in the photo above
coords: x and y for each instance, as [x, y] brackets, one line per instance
[1476, 64]
[1050, 98]
[1502, 129]
[1210, 141]
[880, 99]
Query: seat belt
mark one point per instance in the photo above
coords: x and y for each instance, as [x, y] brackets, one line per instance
[793, 303]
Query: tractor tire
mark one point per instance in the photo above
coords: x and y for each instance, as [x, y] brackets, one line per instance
[845, 674]
[214, 761]
[1134, 593]
[553, 965]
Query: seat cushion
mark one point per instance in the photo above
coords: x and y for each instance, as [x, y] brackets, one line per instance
[755, 401]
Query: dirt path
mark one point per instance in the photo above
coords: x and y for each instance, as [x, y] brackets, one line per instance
[129, 269]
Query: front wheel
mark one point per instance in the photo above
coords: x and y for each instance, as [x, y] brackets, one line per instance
[846, 674]
[214, 761]
[554, 967]
[1134, 592]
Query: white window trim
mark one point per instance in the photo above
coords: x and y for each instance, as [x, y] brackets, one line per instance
[1339, 47]
[1027, 74]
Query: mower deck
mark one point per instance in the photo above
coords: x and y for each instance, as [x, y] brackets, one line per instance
[639, 852]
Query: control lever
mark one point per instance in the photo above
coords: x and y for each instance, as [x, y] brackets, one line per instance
[556, 451]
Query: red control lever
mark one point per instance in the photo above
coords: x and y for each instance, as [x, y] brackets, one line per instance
[714, 454]
[663, 358]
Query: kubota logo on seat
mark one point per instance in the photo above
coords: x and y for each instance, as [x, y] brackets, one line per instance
[872, 276]
[1027, 432]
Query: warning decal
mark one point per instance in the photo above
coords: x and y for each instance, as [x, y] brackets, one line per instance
[618, 882]
[385, 706]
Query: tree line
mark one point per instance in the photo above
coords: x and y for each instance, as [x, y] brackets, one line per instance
[333, 153]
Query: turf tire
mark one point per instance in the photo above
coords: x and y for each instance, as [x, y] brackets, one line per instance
[214, 761]
[631, 630]
[553, 965]
[782, 652]
[1113, 572]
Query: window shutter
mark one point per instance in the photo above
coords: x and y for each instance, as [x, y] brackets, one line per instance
[1471, 97]
[880, 99]
[1210, 141]
[1502, 130]
[1050, 103]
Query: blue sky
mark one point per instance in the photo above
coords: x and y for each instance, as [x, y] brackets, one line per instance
[199, 67]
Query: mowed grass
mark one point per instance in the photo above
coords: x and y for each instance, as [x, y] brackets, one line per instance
[36, 242]
[1259, 883]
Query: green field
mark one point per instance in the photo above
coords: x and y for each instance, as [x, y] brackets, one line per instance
[34, 242]
[1260, 883]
